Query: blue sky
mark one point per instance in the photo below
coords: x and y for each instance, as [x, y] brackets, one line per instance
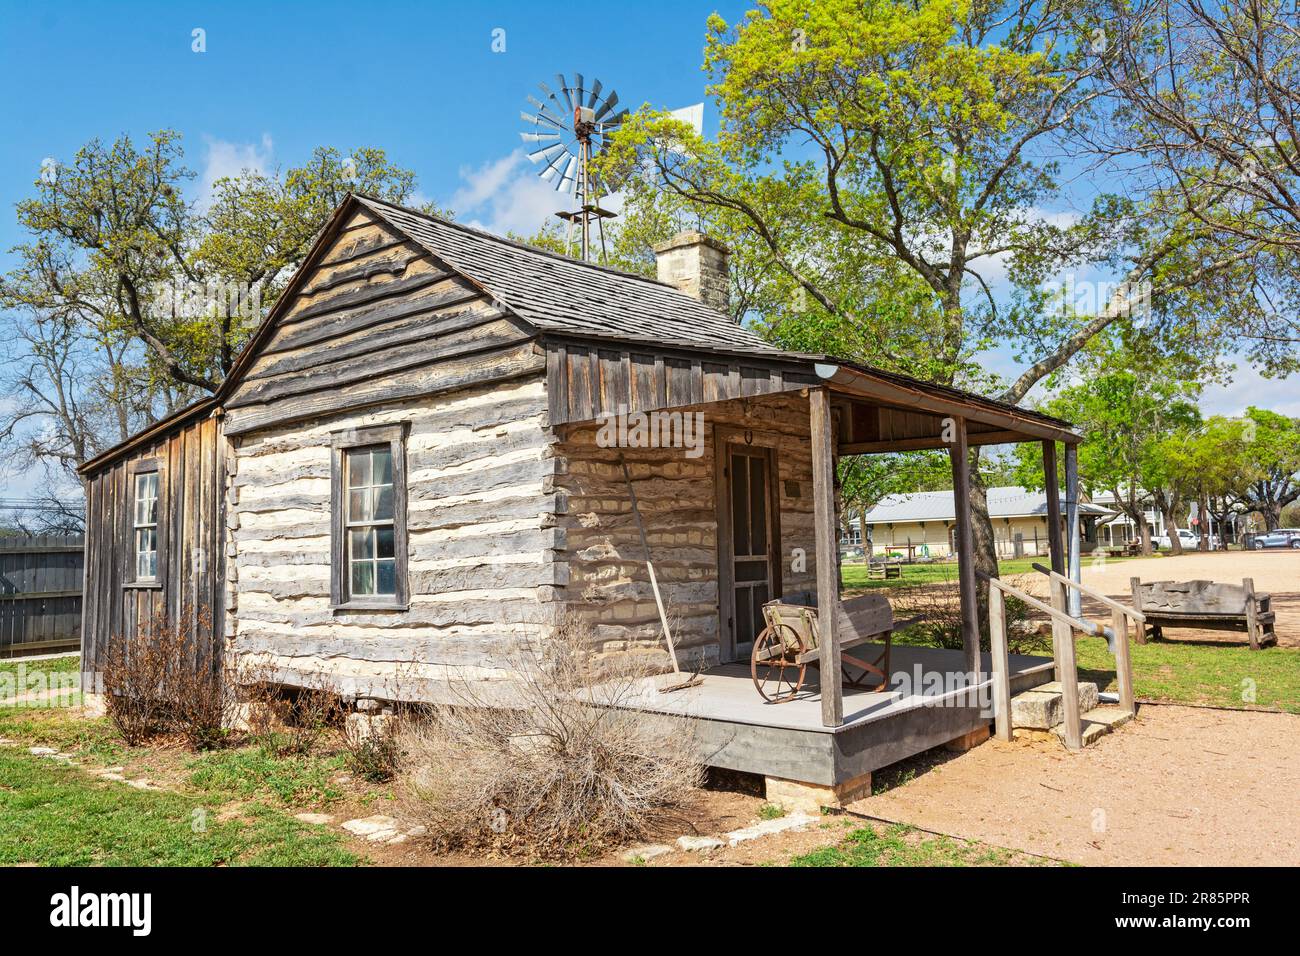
[418, 79]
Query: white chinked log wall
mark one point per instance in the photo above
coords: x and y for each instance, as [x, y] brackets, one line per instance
[481, 528]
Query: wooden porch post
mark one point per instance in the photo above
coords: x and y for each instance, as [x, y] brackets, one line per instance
[970, 628]
[1072, 526]
[1053, 485]
[828, 571]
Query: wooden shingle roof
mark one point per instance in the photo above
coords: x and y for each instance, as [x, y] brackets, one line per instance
[557, 294]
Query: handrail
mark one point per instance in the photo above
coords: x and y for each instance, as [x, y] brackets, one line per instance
[1111, 603]
[1092, 630]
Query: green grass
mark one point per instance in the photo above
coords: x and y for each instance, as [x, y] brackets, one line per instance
[854, 574]
[258, 772]
[1217, 674]
[57, 815]
[69, 663]
[901, 845]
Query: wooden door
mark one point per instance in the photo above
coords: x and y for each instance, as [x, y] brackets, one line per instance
[753, 551]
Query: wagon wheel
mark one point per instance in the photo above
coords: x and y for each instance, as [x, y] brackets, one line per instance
[774, 663]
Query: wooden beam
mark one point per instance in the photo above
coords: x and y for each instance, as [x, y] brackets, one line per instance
[1000, 437]
[970, 630]
[828, 570]
[1067, 671]
[1072, 525]
[1001, 664]
[1052, 483]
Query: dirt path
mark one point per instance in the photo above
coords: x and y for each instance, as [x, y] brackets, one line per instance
[1179, 786]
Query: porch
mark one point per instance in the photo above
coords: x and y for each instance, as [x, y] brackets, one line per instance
[735, 729]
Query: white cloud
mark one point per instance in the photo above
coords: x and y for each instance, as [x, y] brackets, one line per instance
[225, 159]
[1248, 388]
[505, 195]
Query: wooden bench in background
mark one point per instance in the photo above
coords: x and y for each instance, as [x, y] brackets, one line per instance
[1205, 604]
[883, 571]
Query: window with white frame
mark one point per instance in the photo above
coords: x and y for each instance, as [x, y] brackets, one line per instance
[146, 526]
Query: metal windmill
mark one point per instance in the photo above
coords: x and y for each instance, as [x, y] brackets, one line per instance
[571, 124]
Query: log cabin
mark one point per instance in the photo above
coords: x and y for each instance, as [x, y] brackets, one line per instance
[410, 466]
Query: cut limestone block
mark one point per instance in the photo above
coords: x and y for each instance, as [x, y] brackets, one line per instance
[794, 796]
[1098, 722]
[1043, 707]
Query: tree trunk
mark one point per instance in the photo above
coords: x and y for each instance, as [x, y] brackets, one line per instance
[1203, 507]
[866, 542]
[983, 543]
[1171, 529]
[1144, 532]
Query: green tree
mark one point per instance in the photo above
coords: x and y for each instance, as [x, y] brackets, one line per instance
[884, 160]
[130, 299]
[1273, 443]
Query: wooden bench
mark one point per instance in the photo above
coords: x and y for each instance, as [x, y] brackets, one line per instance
[788, 645]
[1124, 550]
[883, 571]
[1205, 604]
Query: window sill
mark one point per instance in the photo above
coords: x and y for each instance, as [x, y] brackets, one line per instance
[369, 606]
[143, 585]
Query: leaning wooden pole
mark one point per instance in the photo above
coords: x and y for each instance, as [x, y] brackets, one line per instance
[650, 566]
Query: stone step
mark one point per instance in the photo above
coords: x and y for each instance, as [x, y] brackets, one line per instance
[1097, 722]
[1042, 707]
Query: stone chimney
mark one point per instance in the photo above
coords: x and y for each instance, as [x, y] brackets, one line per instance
[696, 265]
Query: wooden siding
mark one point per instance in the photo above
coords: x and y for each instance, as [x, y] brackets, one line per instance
[481, 518]
[40, 594]
[191, 561]
[588, 380]
[608, 586]
[377, 320]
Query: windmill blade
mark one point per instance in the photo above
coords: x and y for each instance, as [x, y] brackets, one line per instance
[568, 174]
[538, 137]
[608, 106]
[543, 114]
[595, 94]
[565, 90]
[578, 94]
[553, 166]
[547, 153]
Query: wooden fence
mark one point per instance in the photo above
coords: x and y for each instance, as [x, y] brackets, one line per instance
[40, 594]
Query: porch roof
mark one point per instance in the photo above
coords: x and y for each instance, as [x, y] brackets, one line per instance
[593, 376]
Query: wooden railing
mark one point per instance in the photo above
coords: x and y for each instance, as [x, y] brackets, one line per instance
[1063, 627]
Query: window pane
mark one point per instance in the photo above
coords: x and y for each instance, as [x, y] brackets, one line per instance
[363, 579]
[359, 505]
[358, 468]
[384, 503]
[384, 538]
[361, 544]
[387, 583]
[383, 467]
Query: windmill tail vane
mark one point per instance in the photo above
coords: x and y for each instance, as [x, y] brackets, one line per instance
[570, 124]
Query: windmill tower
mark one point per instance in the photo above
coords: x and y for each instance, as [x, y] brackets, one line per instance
[570, 125]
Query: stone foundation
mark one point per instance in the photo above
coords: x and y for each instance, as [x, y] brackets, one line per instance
[794, 796]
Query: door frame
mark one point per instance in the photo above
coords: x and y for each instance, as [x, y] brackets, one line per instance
[723, 437]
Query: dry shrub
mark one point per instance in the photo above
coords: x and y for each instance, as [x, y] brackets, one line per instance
[553, 766]
[939, 607]
[163, 679]
[372, 745]
[287, 721]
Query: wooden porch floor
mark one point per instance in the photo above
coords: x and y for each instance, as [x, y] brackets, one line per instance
[736, 729]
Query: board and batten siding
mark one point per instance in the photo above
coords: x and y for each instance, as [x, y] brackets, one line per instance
[480, 528]
[191, 569]
[608, 584]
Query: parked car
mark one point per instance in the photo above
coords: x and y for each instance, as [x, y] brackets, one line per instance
[1191, 540]
[1281, 538]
